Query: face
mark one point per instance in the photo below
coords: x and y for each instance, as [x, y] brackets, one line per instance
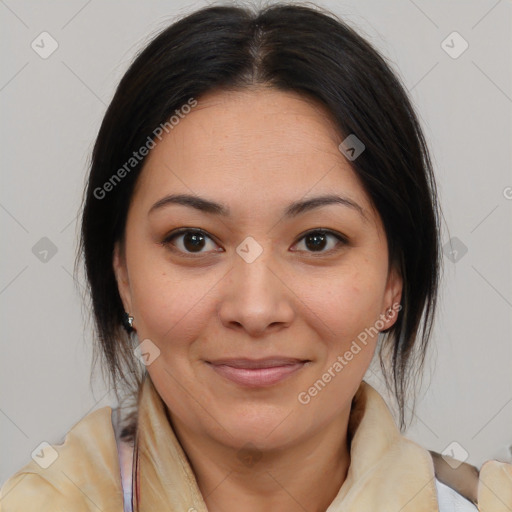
[252, 302]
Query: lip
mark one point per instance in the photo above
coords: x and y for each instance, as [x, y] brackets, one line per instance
[257, 372]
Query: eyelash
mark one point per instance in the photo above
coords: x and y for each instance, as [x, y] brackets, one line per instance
[342, 240]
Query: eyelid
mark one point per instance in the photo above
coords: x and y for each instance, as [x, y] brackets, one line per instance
[181, 231]
[324, 231]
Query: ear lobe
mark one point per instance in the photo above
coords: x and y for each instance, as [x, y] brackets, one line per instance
[121, 273]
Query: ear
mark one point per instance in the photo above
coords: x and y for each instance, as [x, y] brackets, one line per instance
[393, 296]
[121, 273]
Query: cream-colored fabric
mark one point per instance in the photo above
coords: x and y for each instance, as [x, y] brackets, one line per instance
[495, 487]
[85, 476]
[387, 472]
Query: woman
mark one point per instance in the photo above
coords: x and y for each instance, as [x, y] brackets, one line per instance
[260, 218]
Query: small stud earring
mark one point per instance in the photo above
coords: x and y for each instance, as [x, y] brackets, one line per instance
[128, 322]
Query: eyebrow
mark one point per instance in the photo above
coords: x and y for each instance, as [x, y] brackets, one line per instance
[294, 209]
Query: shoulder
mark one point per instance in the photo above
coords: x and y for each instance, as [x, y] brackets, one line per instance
[81, 474]
[460, 486]
[495, 489]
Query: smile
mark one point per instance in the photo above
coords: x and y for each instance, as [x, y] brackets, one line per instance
[254, 373]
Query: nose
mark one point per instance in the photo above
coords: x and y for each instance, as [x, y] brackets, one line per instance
[256, 297]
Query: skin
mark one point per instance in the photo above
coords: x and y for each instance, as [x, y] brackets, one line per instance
[256, 152]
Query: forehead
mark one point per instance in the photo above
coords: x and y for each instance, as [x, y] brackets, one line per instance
[257, 147]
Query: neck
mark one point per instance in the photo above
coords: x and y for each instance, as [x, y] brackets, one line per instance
[306, 475]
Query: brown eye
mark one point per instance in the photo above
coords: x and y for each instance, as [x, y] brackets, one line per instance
[189, 241]
[319, 240]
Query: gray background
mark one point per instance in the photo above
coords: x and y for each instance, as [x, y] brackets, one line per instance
[51, 111]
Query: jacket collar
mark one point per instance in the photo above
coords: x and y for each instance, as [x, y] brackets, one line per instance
[385, 467]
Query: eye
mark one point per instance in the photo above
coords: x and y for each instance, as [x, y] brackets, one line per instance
[189, 241]
[193, 241]
[318, 240]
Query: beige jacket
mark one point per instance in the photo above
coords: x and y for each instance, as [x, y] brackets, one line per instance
[387, 471]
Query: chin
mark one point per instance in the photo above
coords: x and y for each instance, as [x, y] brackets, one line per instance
[259, 426]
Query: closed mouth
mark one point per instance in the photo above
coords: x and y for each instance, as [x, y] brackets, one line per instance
[253, 364]
[257, 373]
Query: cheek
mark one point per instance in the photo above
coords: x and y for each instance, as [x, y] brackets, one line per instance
[155, 293]
[346, 300]
[167, 309]
[171, 306]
